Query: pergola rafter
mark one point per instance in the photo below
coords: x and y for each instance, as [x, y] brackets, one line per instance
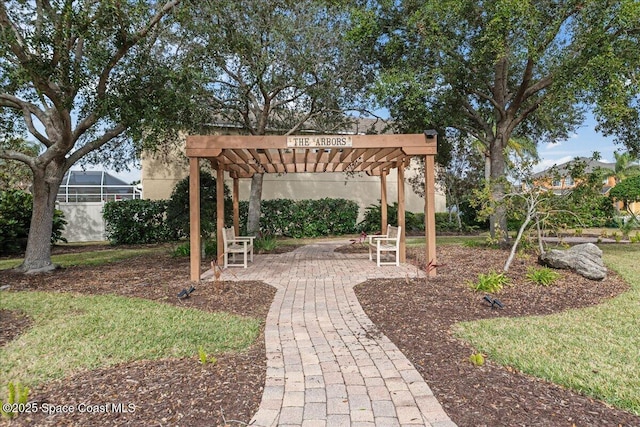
[243, 156]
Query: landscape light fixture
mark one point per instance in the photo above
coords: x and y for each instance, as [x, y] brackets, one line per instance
[494, 302]
[430, 133]
[186, 292]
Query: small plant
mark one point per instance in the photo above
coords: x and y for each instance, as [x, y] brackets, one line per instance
[491, 282]
[470, 243]
[17, 398]
[205, 358]
[361, 239]
[210, 247]
[578, 232]
[181, 250]
[477, 359]
[542, 276]
[265, 243]
[617, 237]
[636, 238]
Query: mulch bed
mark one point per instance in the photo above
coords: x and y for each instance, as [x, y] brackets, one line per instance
[415, 314]
[166, 392]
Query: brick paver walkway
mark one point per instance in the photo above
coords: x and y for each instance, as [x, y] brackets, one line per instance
[327, 364]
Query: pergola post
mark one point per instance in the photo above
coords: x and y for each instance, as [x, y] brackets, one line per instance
[430, 212]
[194, 217]
[383, 201]
[236, 205]
[219, 212]
[401, 214]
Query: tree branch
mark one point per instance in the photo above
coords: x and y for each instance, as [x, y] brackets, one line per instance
[18, 156]
[27, 110]
[95, 144]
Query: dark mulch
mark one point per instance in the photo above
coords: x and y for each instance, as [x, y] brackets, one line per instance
[417, 316]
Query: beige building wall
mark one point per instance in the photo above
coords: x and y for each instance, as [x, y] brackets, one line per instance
[161, 173]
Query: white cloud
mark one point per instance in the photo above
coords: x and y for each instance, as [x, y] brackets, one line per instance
[547, 163]
[552, 145]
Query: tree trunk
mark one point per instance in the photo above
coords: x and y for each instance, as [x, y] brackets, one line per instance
[37, 257]
[487, 168]
[498, 221]
[255, 198]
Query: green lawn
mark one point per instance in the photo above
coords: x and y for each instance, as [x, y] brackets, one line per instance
[72, 333]
[88, 258]
[595, 350]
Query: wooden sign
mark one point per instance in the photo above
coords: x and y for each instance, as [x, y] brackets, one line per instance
[323, 141]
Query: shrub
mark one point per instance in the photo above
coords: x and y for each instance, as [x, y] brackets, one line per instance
[177, 211]
[491, 282]
[303, 218]
[373, 213]
[15, 219]
[136, 221]
[182, 250]
[542, 276]
[265, 243]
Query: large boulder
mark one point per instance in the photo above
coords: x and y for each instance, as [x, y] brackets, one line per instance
[584, 259]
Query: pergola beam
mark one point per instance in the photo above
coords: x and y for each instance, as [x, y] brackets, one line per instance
[243, 156]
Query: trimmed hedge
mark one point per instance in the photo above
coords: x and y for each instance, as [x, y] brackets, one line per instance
[373, 214]
[304, 218]
[129, 222]
[145, 221]
[177, 213]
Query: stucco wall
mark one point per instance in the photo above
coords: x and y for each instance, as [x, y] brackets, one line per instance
[84, 221]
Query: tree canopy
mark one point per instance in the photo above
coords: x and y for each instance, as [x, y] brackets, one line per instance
[86, 80]
[627, 191]
[497, 69]
[275, 66]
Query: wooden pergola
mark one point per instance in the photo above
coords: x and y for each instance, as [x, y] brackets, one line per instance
[243, 156]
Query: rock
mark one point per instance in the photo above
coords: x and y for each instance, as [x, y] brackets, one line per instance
[584, 259]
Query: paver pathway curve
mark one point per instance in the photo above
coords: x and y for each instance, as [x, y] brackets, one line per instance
[327, 364]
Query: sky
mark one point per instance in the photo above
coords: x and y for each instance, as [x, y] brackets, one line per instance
[581, 144]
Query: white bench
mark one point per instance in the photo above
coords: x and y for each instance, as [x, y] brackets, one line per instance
[237, 245]
[388, 243]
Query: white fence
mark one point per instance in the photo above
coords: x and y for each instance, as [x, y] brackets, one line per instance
[84, 221]
[97, 193]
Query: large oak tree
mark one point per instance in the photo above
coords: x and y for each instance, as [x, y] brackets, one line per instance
[497, 69]
[84, 79]
[276, 66]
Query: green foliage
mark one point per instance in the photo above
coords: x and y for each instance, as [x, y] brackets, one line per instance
[177, 214]
[372, 217]
[542, 276]
[627, 225]
[136, 221]
[15, 219]
[210, 249]
[265, 243]
[15, 174]
[304, 218]
[17, 398]
[205, 358]
[491, 282]
[627, 191]
[182, 250]
[477, 359]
